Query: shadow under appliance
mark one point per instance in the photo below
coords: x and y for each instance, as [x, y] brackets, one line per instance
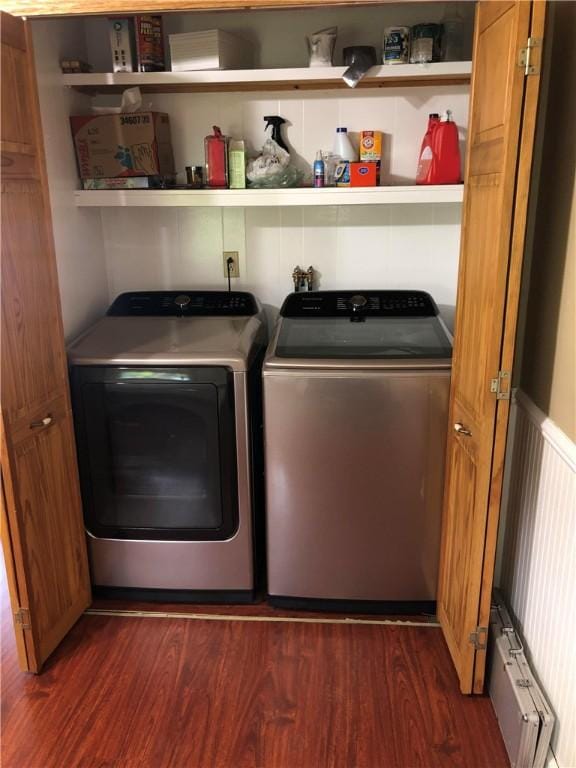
[356, 388]
[165, 393]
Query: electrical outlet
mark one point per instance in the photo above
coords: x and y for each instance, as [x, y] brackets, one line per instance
[234, 267]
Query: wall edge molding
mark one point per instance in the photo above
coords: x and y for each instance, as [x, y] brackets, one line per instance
[551, 432]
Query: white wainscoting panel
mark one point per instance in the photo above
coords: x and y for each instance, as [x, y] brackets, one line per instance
[539, 561]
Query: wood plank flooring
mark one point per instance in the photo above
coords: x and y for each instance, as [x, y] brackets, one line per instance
[176, 693]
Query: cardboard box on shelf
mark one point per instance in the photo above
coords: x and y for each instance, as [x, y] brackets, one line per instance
[125, 144]
[370, 146]
[364, 174]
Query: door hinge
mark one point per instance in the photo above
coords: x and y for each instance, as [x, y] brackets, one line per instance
[479, 637]
[500, 386]
[22, 618]
[526, 58]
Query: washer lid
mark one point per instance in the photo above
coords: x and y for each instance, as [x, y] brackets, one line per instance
[390, 338]
[226, 341]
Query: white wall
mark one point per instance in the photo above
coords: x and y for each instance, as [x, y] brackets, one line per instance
[400, 246]
[77, 232]
[102, 253]
[267, 31]
[538, 563]
[350, 247]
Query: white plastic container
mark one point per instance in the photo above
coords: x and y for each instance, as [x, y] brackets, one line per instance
[343, 146]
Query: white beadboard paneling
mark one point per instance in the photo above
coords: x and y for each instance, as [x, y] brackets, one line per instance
[539, 563]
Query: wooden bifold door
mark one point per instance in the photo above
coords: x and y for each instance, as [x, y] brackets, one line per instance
[42, 530]
[42, 525]
[503, 105]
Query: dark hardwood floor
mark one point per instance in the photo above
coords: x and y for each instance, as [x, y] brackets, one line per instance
[177, 693]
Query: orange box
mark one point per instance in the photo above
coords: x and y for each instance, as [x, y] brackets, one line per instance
[364, 174]
[370, 146]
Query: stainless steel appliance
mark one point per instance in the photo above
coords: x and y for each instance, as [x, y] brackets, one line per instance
[166, 392]
[356, 391]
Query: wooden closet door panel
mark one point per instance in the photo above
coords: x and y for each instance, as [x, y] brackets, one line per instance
[492, 218]
[33, 356]
[48, 531]
[17, 126]
[43, 534]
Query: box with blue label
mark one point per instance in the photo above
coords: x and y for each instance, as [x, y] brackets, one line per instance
[364, 174]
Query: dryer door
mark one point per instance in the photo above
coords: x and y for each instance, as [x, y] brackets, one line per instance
[156, 452]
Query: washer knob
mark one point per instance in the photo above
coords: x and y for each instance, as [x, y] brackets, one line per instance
[182, 300]
[358, 302]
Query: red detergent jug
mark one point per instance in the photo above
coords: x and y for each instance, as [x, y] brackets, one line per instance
[446, 169]
[426, 158]
[439, 161]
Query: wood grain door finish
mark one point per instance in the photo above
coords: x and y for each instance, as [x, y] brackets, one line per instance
[33, 355]
[43, 534]
[494, 216]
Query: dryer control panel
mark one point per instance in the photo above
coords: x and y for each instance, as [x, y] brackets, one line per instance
[184, 304]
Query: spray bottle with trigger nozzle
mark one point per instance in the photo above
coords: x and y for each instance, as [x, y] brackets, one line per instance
[276, 122]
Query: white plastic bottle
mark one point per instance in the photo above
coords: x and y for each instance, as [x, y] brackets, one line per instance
[343, 146]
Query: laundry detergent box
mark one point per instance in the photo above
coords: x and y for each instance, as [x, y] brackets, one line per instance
[364, 174]
[123, 144]
[370, 146]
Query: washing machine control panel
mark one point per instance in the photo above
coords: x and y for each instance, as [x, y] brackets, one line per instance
[365, 303]
[184, 303]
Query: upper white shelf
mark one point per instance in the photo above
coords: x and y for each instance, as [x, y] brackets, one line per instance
[442, 73]
[269, 198]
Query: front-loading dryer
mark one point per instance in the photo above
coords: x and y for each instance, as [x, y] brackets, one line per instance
[165, 393]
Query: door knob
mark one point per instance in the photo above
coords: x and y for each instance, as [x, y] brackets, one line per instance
[461, 430]
[45, 422]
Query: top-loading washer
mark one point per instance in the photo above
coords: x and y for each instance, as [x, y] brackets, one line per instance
[166, 400]
[356, 388]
